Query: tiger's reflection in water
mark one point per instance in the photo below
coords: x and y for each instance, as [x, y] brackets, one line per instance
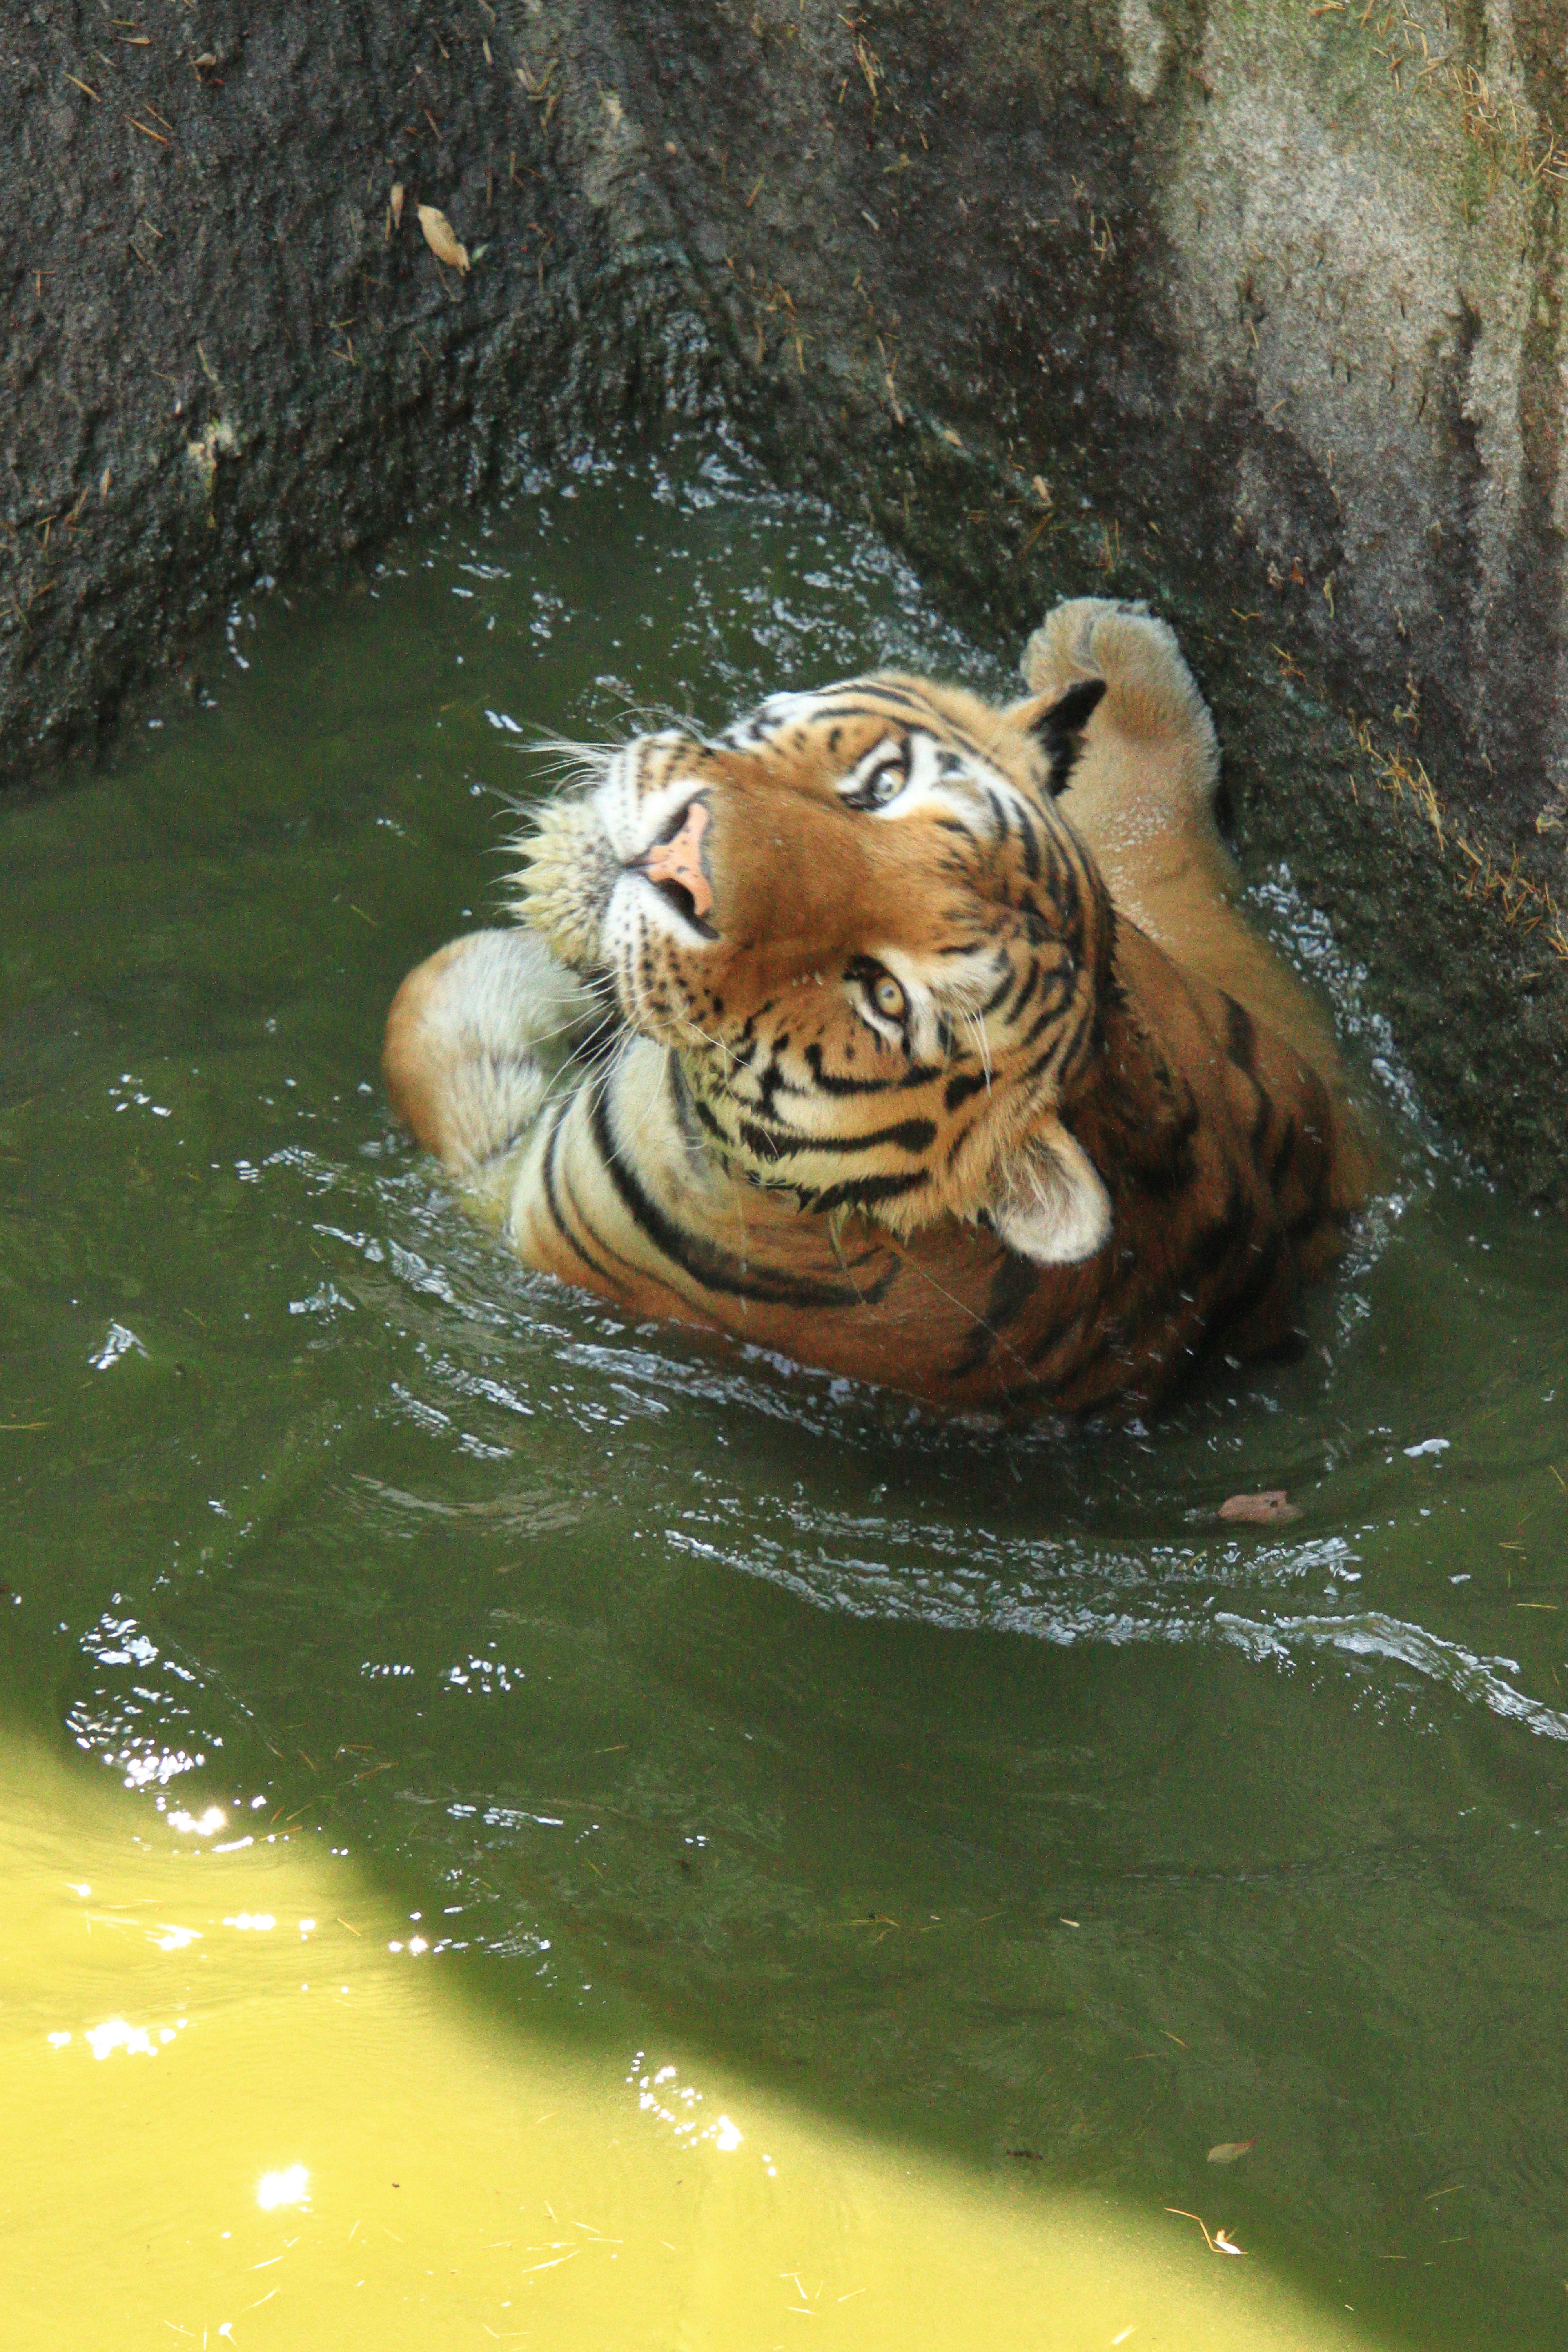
[908, 1036]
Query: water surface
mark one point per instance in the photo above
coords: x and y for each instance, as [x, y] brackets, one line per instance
[980, 1796]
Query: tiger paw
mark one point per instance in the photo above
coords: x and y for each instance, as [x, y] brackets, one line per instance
[1150, 695]
[475, 1035]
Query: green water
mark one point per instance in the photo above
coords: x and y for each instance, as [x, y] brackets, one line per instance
[984, 1794]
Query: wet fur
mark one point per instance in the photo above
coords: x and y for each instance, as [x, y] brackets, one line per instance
[1106, 1130]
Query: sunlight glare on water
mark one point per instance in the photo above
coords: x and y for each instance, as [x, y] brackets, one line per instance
[467, 2183]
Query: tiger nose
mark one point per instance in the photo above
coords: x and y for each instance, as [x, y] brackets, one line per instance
[681, 860]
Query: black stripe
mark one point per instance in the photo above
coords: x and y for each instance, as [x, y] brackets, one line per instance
[1026, 991]
[1307, 1221]
[1282, 1153]
[684, 1103]
[1013, 1283]
[890, 700]
[1240, 1037]
[714, 1268]
[998, 996]
[1260, 1281]
[1163, 1179]
[1258, 1134]
[773, 1082]
[617, 1257]
[1049, 1013]
[552, 1200]
[860, 1192]
[1214, 1243]
[959, 1089]
[1062, 882]
[1082, 1050]
[1113, 1340]
[918, 1074]
[911, 1135]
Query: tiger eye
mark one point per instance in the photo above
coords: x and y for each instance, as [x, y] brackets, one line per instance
[889, 997]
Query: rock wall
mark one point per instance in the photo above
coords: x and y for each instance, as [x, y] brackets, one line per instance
[224, 356]
[1255, 310]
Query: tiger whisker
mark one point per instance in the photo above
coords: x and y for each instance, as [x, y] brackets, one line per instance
[976, 1028]
[652, 1104]
[943, 1292]
[590, 1037]
[717, 1043]
[598, 1082]
[836, 1221]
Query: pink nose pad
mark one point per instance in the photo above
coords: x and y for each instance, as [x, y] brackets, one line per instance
[681, 860]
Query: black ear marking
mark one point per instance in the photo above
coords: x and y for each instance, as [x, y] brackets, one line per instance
[1058, 729]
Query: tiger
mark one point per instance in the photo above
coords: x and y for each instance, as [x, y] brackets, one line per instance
[911, 1037]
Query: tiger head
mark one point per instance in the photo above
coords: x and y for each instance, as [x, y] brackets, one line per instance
[875, 947]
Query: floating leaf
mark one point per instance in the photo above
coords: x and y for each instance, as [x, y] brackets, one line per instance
[439, 238]
[1273, 1508]
[1228, 2150]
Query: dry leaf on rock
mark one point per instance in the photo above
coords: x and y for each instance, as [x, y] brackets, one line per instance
[439, 238]
[1272, 1509]
[1229, 2149]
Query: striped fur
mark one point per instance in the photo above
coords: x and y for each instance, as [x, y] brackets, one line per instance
[882, 1031]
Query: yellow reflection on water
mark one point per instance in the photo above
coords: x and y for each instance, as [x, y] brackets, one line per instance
[244, 2110]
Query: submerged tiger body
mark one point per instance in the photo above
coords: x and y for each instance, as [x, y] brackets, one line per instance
[904, 1035]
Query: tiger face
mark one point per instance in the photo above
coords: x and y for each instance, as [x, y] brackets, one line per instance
[875, 947]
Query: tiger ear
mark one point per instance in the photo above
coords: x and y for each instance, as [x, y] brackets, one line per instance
[1058, 1213]
[1057, 721]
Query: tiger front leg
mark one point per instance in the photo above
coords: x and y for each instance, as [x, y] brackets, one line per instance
[1141, 793]
[475, 1040]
